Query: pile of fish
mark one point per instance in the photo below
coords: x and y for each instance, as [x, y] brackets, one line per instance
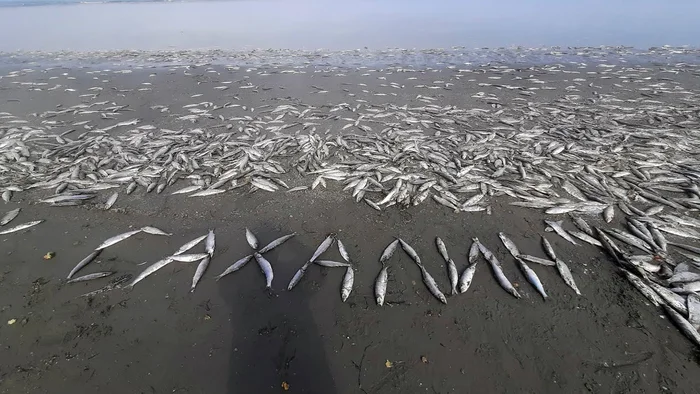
[573, 154]
[630, 160]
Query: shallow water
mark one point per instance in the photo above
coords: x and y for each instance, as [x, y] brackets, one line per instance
[250, 24]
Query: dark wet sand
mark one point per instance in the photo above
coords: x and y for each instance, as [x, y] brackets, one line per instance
[233, 337]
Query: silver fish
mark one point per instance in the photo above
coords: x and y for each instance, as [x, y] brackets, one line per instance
[410, 251]
[465, 280]
[111, 200]
[532, 277]
[343, 252]
[687, 288]
[346, 287]
[83, 263]
[537, 260]
[184, 248]
[207, 192]
[9, 216]
[380, 285]
[117, 238]
[389, 251]
[235, 266]
[566, 275]
[151, 269]
[201, 268]
[322, 247]
[442, 249]
[582, 225]
[20, 227]
[189, 258]
[670, 298]
[647, 291]
[96, 275]
[586, 238]
[473, 253]
[266, 268]
[331, 264]
[548, 248]
[210, 243]
[693, 309]
[277, 242]
[497, 270]
[510, 245]
[452, 275]
[432, 285]
[609, 213]
[251, 238]
[187, 189]
[154, 231]
[298, 275]
[684, 325]
[557, 227]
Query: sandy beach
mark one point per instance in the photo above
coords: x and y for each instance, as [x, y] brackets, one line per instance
[234, 336]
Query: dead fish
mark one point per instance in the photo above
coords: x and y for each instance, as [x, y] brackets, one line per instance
[497, 270]
[566, 275]
[670, 298]
[432, 285]
[277, 242]
[343, 252]
[693, 308]
[683, 324]
[389, 251]
[189, 258]
[465, 280]
[111, 200]
[532, 277]
[184, 248]
[346, 287]
[9, 216]
[266, 268]
[207, 192]
[298, 275]
[586, 238]
[83, 263]
[380, 285]
[537, 260]
[210, 243]
[151, 269]
[331, 264]
[21, 227]
[548, 248]
[647, 291]
[117, 238]
[557, 227]
[582, 225]
[96, 275]
[452, 275]
[442, 249]
[6, 195]
[251, 238]
[235, 266]
[154, 231]
[609, 213]
[509, 244]
[322, 247]
[201, 268]
[410, 251]
[187, 189]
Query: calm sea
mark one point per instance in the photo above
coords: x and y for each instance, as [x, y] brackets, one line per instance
[81, 25]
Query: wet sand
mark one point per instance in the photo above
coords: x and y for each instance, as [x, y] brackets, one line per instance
[232, 336]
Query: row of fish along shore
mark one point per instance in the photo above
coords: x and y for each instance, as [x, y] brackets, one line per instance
[435, 223]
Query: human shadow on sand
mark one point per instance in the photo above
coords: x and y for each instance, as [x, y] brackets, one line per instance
[275, 340]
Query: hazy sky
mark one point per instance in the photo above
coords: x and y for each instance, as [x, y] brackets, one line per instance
[350, 24]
